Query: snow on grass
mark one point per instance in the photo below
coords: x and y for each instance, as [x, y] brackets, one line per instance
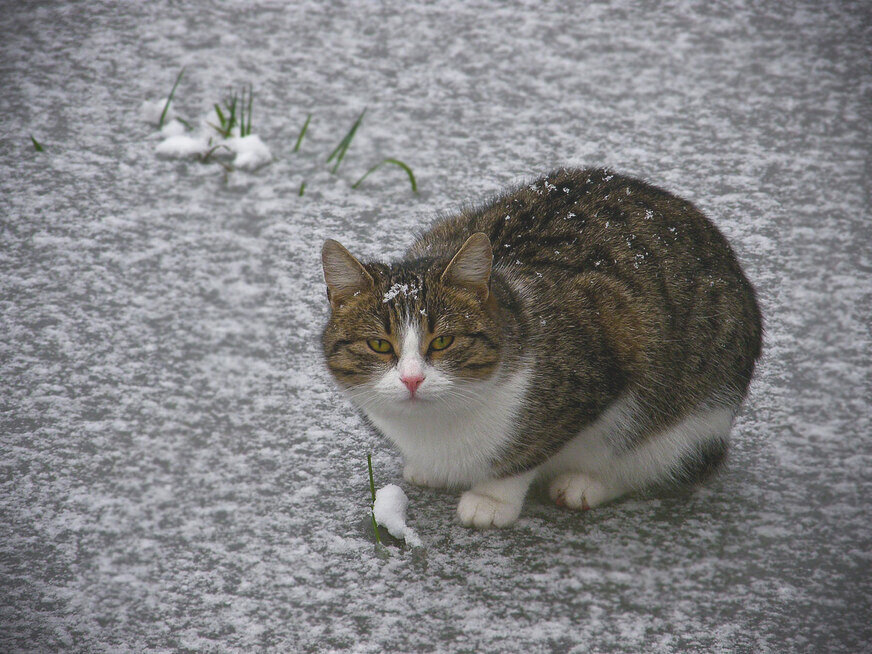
[182, 146]
[389, 510]
[247, 152]
[251, 152]
[151, 111]
[172, 128]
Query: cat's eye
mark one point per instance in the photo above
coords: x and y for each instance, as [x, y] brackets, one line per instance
[380, 345]
[441, 342]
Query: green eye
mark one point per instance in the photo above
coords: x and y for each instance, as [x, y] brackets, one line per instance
[441, 342]
[379, 345]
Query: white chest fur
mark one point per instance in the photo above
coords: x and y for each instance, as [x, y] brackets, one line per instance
[451, 441]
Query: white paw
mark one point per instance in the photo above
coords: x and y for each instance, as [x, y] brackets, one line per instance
[418, 476]
[484, 511]
[577, 490]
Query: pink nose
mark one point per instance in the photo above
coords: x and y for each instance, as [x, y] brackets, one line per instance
[412, 382]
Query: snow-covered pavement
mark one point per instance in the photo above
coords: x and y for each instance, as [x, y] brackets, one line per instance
[177, 472]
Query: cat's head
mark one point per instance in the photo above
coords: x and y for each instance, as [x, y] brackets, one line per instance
[414, 335]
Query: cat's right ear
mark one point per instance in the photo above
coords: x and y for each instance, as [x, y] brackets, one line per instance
[344, 274]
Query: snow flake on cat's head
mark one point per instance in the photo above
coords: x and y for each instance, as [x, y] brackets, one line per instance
[408, 291]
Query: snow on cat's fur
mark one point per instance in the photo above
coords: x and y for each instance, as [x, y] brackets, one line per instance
[588, 328]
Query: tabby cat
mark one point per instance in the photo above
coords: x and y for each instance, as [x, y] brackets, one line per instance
[589, 329]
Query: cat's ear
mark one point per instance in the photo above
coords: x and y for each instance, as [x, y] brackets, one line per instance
[471, 266]
[344, 274]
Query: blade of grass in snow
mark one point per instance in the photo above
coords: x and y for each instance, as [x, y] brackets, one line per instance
[231, 118]
[250, 101]
[340, 150]
[36, 144]
[211, 151]
[242, 108]
[372, 490]
[395, 162]
[233, 115]
[302, 134]
[166, 108]
[302, 188]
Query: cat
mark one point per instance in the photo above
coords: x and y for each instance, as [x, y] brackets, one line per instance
[588, 328]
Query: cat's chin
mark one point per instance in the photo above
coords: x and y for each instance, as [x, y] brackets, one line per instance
[408, 407]
[411, 404]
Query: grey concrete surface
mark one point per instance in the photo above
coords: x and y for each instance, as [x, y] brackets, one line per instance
[177, 472]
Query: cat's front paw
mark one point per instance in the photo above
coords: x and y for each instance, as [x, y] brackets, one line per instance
[420, 477]
[577, 490]
[483, 511]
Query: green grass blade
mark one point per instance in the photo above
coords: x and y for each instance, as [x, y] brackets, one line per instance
[340, 150]
[230, 104]
[371, 482]
[36, 144]
[220, 114]
[367, 174]
[206, 155]
[394, 162]
[302, 134]
[250, 102]
[372, 490]
[166, 108]
[302, 188]
[242, 113]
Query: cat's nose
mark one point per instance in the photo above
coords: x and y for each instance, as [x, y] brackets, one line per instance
[412, 382]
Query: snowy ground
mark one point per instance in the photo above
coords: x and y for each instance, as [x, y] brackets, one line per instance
[176, 470]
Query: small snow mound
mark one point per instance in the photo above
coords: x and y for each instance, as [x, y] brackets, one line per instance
[182, 146]
[389, 510]
[251, 152]
[172, 128]
[151, 111]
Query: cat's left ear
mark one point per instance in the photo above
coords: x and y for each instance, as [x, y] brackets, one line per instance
[345, 275]
[471, 266]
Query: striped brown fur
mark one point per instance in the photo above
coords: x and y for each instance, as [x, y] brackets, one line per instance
[604, 284]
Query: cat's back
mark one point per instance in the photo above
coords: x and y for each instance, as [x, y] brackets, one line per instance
[634, 262]
[587, 220]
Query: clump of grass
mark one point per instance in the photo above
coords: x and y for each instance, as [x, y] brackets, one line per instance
[392, 161]
[163, 114]
[236, 113]
[372, 490]
[36, 144]
[340, 150]
[302, 134]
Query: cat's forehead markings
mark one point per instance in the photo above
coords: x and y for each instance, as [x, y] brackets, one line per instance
[411, 338]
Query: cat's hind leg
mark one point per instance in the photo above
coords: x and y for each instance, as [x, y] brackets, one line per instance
[607, 461]
[682, 454]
